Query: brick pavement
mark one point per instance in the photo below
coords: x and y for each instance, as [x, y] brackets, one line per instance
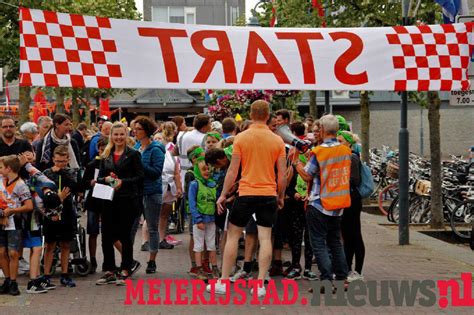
[384, 261]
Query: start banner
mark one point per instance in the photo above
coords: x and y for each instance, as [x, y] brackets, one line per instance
[72, 50]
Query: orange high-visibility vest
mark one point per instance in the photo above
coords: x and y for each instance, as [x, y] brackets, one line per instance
[335, 172]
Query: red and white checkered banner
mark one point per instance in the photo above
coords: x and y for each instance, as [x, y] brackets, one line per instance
[83, 51]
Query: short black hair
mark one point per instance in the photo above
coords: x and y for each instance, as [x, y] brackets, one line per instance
[284, 113]
[298, 128]
[213, 155]
[148, 125]
[201, 121]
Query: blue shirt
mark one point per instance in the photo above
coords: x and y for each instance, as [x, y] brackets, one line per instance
[93, 151]
[312, 168]
[192, 200]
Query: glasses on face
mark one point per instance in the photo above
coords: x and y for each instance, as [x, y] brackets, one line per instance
[8, 127]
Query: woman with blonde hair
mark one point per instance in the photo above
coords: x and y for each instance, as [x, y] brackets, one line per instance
[121, 167]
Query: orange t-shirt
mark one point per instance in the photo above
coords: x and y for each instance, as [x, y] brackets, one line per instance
[259, 150]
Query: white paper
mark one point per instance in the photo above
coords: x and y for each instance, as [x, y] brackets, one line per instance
[11, 224]
[104, 192]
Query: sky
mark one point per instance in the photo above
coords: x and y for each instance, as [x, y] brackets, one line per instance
[249, 4]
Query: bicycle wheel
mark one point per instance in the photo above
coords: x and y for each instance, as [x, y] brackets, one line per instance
[462, 219]
[420, 209]
[394, 211]
[391, 191]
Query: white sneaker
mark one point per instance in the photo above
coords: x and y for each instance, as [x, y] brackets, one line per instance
[220, 288]
[241, 274]
[23, 265]
[172, 226]
[261, 292]
[1, 274]
[354, 276]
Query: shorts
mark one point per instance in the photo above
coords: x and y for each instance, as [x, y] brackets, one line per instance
[168, 197]
[58, 231]
[11, 239]
[264, 207]
[251, 227]
[30, 241]
[93, 226]
[207, 236]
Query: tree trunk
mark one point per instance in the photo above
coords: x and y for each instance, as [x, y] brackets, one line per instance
[59, 100]
[76, 115]
[365, 125]
[435, 149]
[313, 107]
[87, 109]
[25, 101]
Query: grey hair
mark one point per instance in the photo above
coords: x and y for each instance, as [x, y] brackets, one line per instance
[42, 119]
[30, 127]
[330, 124]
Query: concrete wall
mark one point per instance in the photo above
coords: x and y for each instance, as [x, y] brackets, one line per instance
[457, 127]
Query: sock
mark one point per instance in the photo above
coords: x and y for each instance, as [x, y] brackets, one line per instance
[93, 261]
[64, 275]
[47, 277]
[277, 263]
[215, 267]
[193, 264]
[248, 266]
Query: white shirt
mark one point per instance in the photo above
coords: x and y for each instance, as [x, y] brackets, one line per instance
[189, 139]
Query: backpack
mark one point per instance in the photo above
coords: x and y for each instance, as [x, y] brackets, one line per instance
[366, 186]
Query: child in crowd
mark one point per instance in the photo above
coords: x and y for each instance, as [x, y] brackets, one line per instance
[93, 205]
[202, 203]
[193, 153]
[60, 227]
[212, 139]
[17, 202]
[46, 203]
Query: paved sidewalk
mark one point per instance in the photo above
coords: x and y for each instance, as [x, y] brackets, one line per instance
[385, 260]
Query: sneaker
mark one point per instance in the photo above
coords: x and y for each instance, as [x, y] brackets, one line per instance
[67, 282]
[216, 274]
[2, 276]
[354, 276]
[145, 247]
[309, 275]
[193, 271]
[294, 274]
[13, 290]
[287, 271]
[135, 266]
[5, 288]
[286, 263]
[121, 277]
[219, 288]
[108, 278]
[46, 283]
[261, 292]
[172, 226]
[151, 267]
[202, 275]
[206, 268]
[23, 265]
[171, 240]
[276, 271]
[34, 287]
[165, 245]
[241, 274]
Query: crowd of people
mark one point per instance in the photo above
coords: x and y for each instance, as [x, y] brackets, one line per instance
[235, 180]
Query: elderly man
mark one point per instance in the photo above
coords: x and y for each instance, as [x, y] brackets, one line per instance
[256, 151]
[329, 171]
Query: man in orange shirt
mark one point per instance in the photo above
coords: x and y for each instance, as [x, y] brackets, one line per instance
[257, 151]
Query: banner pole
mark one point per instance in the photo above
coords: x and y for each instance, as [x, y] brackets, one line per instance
[403, 225]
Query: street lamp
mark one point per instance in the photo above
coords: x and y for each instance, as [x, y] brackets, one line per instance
[253, 20]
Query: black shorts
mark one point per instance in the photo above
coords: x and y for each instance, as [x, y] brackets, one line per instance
[264, 207]
[58, 231]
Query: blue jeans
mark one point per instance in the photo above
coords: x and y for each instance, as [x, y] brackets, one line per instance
[325, 239]
[152, 207]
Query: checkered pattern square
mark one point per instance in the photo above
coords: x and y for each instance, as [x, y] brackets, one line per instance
[59, 49]
[433, 57]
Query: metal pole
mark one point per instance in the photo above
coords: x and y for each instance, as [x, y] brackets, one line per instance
[327, 104]
[403, 138]
[422, 142]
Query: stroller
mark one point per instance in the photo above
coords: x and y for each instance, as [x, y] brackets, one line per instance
[78, 260]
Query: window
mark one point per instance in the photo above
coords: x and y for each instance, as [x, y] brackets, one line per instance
[234, 15]
[183, 15]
